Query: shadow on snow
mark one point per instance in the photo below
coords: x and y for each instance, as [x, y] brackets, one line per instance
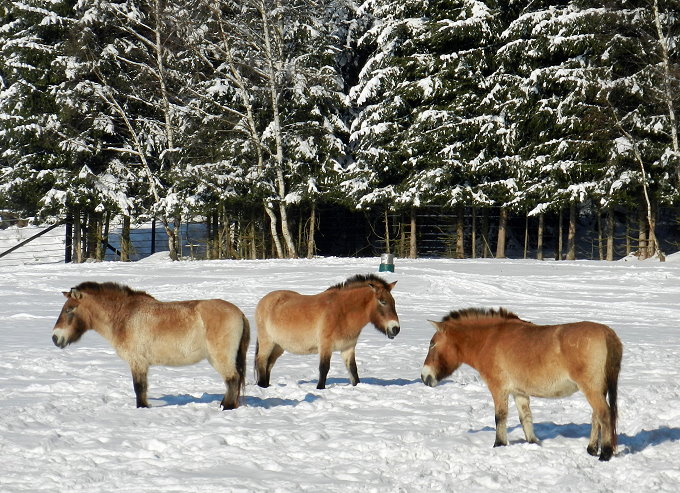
[631, 444]
[184, 399]
[380, 382]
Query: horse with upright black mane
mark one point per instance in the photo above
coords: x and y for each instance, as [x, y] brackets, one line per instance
[322, 323]
[146, 332]
[519, 358]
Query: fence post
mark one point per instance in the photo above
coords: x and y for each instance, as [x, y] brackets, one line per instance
[68, 246]
[153, 236]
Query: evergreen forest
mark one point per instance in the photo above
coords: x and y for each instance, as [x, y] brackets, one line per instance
[302, 127]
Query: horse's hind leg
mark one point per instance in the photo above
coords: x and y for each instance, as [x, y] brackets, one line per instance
[276, 353]
[265, 357]
[140, 384]
[602, 426]
[230, 400]
[351, 364]
[594, 441]
[522, 404]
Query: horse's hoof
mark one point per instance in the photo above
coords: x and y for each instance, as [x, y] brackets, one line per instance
[607, 453]
[592, 450]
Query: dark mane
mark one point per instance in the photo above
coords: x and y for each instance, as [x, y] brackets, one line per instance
[360, 280]
[480, 313]
[109, 287]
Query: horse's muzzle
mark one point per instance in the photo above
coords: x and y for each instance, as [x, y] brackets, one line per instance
[428, 378]
[392, 330]
[59, 340]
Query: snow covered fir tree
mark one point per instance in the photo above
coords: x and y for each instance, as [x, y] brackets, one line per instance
[337, 127]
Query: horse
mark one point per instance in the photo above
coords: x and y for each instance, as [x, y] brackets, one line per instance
[146, 332]
[322, 323]
[518, 358]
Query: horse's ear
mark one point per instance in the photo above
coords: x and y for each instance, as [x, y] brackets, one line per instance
[66, 293]
[437, 325]
[76, 294]
[391, 285]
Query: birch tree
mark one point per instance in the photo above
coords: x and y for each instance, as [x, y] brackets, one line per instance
[128, 58]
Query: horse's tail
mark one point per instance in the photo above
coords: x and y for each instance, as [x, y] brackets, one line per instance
[241, 354]
[612, 368]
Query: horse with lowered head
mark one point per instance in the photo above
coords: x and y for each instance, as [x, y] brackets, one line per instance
[519, 358]
[146, 332]
[322, 323]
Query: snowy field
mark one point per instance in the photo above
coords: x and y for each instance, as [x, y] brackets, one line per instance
[68, 420]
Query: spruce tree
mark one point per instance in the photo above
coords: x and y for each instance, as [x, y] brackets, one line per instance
[33, 126]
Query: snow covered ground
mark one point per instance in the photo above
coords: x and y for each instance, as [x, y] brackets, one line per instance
[68, 420]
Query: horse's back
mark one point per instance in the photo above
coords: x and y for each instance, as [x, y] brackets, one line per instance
[291, 320]
[552, 360]
[178, 333]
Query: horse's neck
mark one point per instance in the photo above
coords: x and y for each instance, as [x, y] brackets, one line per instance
[357, 301]
[473, 340]
[107, 315]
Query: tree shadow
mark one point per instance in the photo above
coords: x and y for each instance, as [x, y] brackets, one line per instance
[628, 444]
[251, 401]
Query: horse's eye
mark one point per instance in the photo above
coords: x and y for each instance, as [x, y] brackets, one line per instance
[70, 309]
[432, 344]
[382, 302]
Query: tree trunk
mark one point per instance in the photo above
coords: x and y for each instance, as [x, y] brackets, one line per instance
[473, 234]
[413, 246]
[311, 243]
[571, 234]
[642, 236]
[610, 234]
[460, 232]
[273, 226]
[486, 248]
[103, 244]
[387, 233]
[125, 240]
[93, 235]
[629, 235]
[77, 237]
[600, 238]
[560, 234]
[253, 241]
[539, 234]
[502, 226]
[526, 234]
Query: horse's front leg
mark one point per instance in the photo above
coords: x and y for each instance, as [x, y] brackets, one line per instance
[500, 402]
[140, 384]
[324, 366]
[351, 364]
[525, 418]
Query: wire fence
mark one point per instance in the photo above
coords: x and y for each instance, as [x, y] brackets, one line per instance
[25, 244]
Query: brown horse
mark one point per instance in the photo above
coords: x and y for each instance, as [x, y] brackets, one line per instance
[145, 332]
[518, 358]
[322, 323]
